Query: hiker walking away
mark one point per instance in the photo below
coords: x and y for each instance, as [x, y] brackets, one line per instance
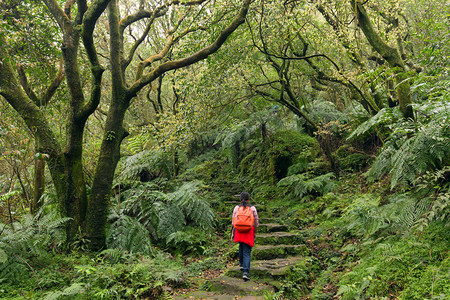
[245, 224]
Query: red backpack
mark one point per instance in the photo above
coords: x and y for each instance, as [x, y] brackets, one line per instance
[244, 219]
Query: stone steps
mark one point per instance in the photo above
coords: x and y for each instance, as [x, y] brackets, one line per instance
[271, 269]
[236, 286]
[265, 252]
[202, 295]
[267, 227]
[278, 238]
[268, 220]
[275, 253]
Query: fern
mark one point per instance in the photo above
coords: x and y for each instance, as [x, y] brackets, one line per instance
[402, 213]
[362, 216]
[386, 116]
[138, 142]
[428, 149]
[142, 213]
[155, 163]
[115, 255]
[194, 207]
[126, 233]
[142, 203]
[26, 242]
[414, 148]
[171, 219]
[247, 129]
[300, 186]
[73, 290]
[348, 291]
[190, 240]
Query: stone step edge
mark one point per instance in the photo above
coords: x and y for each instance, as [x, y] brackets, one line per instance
[257, 267]
[232, 285]
[204, 295]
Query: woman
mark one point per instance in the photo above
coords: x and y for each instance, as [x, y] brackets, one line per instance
[246, 240]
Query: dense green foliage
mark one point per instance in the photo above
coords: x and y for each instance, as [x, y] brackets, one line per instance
[302, 108]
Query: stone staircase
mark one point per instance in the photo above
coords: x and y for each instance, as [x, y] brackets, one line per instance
[276, 251]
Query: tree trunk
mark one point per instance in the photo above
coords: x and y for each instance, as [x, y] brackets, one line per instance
[98, 203]
[39, 184]
[391, 55]
[176, 163]
[68, 186]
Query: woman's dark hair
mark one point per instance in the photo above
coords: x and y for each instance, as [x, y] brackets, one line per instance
[244, 199]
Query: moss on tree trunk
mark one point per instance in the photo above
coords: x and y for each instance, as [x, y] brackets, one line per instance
[390, 54]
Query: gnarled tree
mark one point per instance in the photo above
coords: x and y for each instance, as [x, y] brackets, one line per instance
[132, 68]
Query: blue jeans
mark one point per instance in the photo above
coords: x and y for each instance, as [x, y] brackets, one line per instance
[245, 252]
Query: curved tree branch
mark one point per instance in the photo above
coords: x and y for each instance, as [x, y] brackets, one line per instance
[199, 55]
[390, 54]
[54, 85]
[57, 12]
[89, 20]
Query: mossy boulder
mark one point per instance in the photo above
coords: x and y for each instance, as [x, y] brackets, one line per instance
[270, 162]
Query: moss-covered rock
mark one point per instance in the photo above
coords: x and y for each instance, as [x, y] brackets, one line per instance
[270, 162]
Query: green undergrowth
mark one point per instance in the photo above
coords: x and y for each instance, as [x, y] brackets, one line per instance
[409, 266]
[111, 274]
[366, 241]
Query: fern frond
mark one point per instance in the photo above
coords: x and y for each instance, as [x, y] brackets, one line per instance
[113, 254]
[171, 219]
[27, 242]
[157, 162]
[72, 290]
[140, 203]
[196, 209]
[427, 149]
[179, 237]
[382, 164]
[300, 186]
[385, 116]
[126, 233]
[414, 148]
[160, 214]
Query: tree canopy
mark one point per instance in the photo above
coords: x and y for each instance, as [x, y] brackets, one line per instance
[124, 125]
